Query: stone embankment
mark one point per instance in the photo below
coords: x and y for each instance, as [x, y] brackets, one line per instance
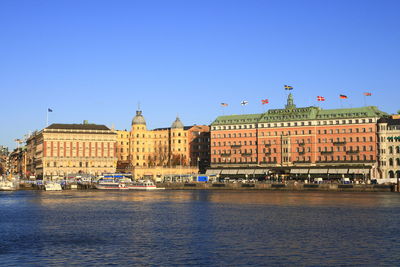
[281, 186]
[296, 186]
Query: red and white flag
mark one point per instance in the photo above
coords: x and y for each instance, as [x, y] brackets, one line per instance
[320, 98]
[264, 101]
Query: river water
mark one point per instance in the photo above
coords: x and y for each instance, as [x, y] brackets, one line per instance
[200, 228]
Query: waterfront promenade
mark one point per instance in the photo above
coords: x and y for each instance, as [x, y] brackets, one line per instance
[289, 186]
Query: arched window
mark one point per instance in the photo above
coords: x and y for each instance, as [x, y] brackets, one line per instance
[390, 162]
[390, 150]
[398, 149]
[391, 174]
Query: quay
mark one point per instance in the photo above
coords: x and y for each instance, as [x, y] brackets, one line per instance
[292, 186]
[289, 186]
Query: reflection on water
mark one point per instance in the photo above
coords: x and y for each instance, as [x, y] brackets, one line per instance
[212, 228]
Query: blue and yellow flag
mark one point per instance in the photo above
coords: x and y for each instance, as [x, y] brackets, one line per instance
[288, 87]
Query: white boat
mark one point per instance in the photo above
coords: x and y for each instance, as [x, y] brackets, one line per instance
[7, 186]
[52, 187]
[111, 184]
[143, 185]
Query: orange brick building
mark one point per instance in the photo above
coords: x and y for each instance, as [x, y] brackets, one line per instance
[302, 142]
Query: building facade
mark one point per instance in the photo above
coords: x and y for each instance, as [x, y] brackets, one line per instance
[17, 162]
[389, 146]
[302, 142]
[62, 149]
[177, 145]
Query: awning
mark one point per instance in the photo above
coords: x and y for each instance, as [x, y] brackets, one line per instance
[337, 171]
[250, 171]
[213, 171]
[245, 171]
[359, 171]
[298, 171]
[229, 171]
[261, 171]
[319, 171]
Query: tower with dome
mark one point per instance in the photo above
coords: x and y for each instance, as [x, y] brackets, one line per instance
[173, 148]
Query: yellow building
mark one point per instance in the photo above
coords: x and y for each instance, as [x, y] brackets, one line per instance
[145, 149]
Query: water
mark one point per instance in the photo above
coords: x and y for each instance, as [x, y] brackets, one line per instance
[201, 228]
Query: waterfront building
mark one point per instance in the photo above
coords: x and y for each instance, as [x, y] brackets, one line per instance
[17, 162]
[178, 145]
[389, 146]
[4, 160]
[62, 149]
[302, 142]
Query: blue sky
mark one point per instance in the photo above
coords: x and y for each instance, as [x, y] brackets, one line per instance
[95, 60]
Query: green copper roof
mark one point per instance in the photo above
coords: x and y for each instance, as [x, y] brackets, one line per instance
[237, 119]
[369, 111]
[291, 113]
[300, 114]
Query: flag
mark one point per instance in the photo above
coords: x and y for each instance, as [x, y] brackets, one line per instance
[244, 103]
[288, 87]
[49, 110]
[367, 94]
[320, 98]
[343, 96]
[264, 101]
[224, 104]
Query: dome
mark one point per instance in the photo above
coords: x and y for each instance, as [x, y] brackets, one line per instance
[177, 124]
[138, 119]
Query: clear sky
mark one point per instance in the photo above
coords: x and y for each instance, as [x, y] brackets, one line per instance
[95, 59]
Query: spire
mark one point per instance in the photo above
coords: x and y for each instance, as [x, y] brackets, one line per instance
[290, 102]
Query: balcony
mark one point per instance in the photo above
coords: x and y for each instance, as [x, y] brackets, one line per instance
[246, 154]
[225, 154]
[301, 152]
[326, 152]
[267, 145]
[339, 143]
[301, 144]
[236, 146]
[352, 152]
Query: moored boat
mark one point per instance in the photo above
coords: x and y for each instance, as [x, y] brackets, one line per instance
[51, 186]
[7, 186]
[111, 184]
[143, 185]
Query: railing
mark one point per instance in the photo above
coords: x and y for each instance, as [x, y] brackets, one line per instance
[246, 154]
[338, 143]
[353, 152]
[225, 154]
[326, 152]
[236, 146]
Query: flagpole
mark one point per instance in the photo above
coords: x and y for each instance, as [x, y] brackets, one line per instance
[365, 101]
[47, 118]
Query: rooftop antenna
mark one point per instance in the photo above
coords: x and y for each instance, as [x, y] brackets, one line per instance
[138, 105]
